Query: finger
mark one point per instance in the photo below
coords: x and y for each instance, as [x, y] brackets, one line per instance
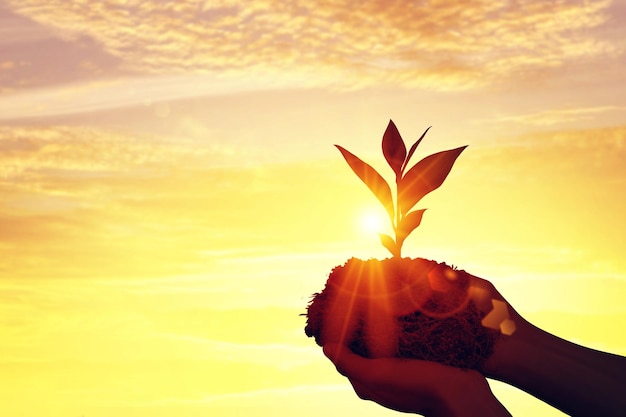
[362, 391]
[332, 351]
[347, 363]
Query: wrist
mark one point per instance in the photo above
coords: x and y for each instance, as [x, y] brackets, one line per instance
[510, 353]
[578, 381]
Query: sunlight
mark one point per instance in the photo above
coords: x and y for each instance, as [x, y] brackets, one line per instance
[370, 221]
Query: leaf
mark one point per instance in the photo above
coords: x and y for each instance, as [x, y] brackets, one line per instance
[374, 181]
[394, 149]
[427, 175]
[409, 223]
[388, 243]
[413, 148]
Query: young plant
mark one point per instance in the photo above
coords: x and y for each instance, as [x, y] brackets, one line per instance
[424, 177]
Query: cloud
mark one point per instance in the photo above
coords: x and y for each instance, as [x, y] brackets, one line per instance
[603, 145]
[138, 205]
[78, 202]
[34, 55]
[29, 150]
[440, 44]
[152, 92]
[556, 116]
[117, 194]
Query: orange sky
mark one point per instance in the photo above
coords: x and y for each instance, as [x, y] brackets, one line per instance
[170, 196]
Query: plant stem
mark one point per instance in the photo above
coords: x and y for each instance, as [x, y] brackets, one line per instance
[398, 218]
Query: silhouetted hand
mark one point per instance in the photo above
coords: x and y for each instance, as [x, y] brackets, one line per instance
[575, 379]
[416, 386]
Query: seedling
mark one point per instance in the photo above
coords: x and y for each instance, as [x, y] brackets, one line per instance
[402, 307]
[411, 186]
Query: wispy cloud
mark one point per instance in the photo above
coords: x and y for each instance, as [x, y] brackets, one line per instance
[118, 204]
[157, 207]
[27, 152]
[442, 45]
[64, 185]
[553, 117]
[152, 92]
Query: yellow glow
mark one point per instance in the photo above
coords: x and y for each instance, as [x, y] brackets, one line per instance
[370, 221]
[170, 196]
[136, 281]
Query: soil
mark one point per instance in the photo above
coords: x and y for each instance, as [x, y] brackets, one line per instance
[404, 308]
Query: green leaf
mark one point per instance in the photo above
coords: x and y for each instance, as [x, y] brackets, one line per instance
[374, 181]
[388, 243]
[409, 223]
[413, 148]
[427, 175]
[394, 149]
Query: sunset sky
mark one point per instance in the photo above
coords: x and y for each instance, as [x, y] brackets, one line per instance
[170, 195]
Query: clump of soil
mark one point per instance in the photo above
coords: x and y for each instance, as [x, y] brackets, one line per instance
[404, 308]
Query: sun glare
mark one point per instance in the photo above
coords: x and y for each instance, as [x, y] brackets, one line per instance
[371, 221]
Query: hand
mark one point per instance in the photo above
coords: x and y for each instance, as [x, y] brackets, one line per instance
[577, 380]
[415, 386]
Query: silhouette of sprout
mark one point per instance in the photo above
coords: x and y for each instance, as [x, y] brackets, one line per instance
[411, 186]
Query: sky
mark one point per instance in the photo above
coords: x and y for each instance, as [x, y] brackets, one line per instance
[170, 196]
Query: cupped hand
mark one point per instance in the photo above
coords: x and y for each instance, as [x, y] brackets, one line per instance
[416, 386]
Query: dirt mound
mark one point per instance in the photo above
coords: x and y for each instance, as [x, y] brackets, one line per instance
[401, 307]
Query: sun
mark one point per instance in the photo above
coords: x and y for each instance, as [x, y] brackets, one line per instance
[370, 221]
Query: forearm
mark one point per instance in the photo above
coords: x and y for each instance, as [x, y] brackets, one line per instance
[577, 380]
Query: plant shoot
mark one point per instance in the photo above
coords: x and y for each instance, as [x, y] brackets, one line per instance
[411, 185]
